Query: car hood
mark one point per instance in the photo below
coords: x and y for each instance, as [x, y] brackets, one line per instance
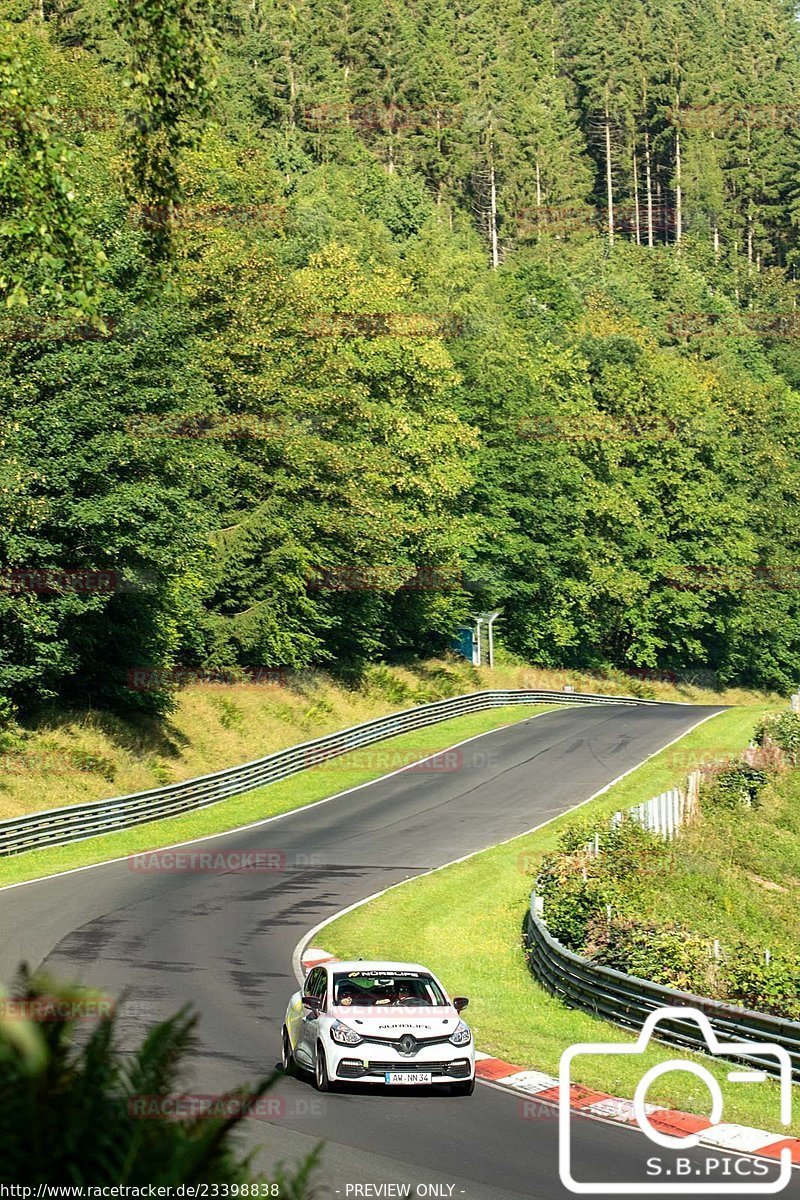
[420, 1022]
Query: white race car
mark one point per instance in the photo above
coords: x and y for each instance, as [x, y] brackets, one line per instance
[378, 1022]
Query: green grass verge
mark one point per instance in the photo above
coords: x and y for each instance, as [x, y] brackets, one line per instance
[464, 921]
[741, 869]
[270, 801]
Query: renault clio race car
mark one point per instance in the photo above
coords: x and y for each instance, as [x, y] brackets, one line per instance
[378, 1022]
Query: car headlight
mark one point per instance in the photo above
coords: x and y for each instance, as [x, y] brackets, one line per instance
[461, 1035]
[344, 1035]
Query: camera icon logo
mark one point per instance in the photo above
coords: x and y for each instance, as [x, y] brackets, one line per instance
[756, 1051]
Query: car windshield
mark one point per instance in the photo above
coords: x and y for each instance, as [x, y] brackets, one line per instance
[387, 988]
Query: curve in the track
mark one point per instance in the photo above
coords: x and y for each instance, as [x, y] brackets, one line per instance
[224, 943]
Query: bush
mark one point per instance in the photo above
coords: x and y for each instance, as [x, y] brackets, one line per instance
[577, 835]
[622, 847]
[734, 784]
[783, 730]
[7, 712]
[577, 885]
[766, 987]
[667, 954]
[571, 897]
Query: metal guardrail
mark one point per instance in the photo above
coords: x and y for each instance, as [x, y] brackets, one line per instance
[627, 1000]
[58, 826]
[667, 813]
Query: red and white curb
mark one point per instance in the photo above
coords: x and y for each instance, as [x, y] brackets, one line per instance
[544, 1088]
[612, 1108]
[312, 957]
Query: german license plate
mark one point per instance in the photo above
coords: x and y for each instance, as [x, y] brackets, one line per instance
[407, 1077]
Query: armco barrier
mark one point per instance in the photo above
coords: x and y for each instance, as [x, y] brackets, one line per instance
[628, 1001]
[57, 826]
[667, 813]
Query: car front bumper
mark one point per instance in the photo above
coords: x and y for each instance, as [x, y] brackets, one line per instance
[369, 1064]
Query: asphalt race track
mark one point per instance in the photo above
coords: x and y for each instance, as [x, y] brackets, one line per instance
[224, 942]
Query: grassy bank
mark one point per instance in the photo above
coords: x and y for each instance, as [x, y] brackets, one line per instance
[465, 921]
[740, 869]
[308, 787]
[75, 757]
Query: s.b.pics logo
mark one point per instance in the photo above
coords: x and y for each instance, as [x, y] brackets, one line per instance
[673, 1172]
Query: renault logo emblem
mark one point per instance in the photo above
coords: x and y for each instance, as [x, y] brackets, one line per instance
[407, 1044]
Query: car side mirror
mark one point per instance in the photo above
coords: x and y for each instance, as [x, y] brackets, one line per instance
[460, 1003]
[312, 1002]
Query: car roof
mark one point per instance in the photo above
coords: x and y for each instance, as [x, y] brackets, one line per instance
[368, 964]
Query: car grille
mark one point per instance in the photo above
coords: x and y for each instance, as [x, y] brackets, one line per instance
[350, 1069]
[420, 1043]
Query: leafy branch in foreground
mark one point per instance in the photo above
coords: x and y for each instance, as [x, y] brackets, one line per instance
[75, 1107]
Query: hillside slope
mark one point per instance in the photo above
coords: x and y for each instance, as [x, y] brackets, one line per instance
[369, 318]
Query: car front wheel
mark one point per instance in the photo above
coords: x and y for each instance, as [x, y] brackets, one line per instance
[287, 1056]
[321, 1081]
[463, 1089]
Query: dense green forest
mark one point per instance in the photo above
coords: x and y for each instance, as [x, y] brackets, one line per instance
[327, 324]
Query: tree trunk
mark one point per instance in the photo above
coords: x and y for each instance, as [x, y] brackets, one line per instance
[636, 201]
[538, 201]
[749, 204]
[714, 222]
[649, 185]
[292, 85]
[493, 215]
[609, 182]
[736, 284]
[678, 180]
